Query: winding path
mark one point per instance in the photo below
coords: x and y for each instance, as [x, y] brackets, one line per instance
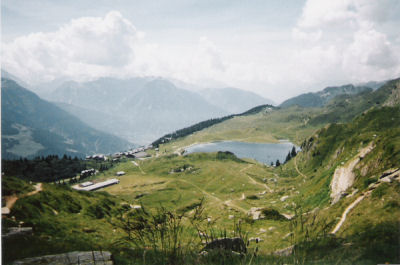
[138, 165]
[228, 202]
[346, 211]
[12, 199]
[297, 169]
[253, 181]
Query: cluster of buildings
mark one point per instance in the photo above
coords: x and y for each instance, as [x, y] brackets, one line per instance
[139, 152]
[98, 157]
[88, 172]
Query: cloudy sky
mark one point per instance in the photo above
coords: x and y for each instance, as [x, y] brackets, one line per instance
[275, 48]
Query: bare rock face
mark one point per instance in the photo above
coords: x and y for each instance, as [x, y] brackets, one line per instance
[343, 178]
[255, 212]
[71, 258]
[230, 244]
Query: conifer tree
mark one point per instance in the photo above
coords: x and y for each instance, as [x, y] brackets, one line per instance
[288, 157]
[293, 153]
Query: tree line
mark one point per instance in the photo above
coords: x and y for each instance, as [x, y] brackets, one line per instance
[205, 124]
[51, 168]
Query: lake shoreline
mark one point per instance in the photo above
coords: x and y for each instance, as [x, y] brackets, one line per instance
[265, 153]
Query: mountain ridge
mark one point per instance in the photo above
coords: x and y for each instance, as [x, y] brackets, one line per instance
[29, 120]
[321, 98]
[234, 100]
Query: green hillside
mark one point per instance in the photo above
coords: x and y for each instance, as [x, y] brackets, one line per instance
[166, 206]
[321, 98]
[294, 123]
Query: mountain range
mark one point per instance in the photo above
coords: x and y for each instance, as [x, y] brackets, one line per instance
[143, 109]
[32, 127]
[132, 111]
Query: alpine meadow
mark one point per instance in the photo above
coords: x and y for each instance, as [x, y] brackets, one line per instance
[200, 132]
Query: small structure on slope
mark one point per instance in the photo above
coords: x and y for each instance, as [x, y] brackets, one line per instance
[97, 186]
[120, 173]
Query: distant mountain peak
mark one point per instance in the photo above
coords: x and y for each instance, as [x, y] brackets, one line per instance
[32, 126]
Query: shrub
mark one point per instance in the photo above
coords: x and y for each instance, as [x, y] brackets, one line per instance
[369, 181]
[228, 156]
[252, 197]
[272, 214]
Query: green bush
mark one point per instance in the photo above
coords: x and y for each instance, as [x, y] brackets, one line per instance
[228, 156]
[369, 181]
[252, 197]
[272, 214]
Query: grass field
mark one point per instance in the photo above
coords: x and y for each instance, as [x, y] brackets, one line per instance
[229, 188]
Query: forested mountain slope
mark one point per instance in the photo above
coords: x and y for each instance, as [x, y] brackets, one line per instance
[32, 127]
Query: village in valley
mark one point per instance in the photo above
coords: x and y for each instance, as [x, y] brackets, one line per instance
[200, 132]
[137, 153]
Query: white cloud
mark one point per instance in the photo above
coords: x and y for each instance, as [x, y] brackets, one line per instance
[341, 40]
[86, 47]
[208, 53]
[90, 47]
[333, 42]
[317, 13]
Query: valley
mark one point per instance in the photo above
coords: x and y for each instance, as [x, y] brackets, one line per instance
[293, 205]
[200, 132]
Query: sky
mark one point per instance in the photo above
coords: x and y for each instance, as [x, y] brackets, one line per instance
[275, 48]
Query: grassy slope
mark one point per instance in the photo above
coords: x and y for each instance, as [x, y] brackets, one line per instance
[294, 123]
[222, 183]
[62, 220]
[261, 127]
[375, 219]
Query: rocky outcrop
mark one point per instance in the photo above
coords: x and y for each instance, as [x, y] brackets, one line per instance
[284, 252]
[255, 213]
[71, 258]
[17, 231]
[390, 175]
[343, 178]
[235, 244]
